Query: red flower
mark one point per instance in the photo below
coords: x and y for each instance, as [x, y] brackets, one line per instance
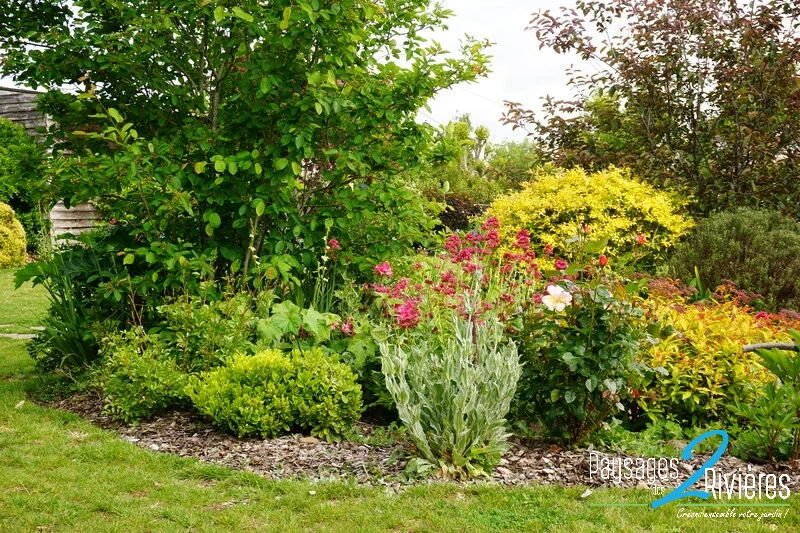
[490, 224]
[384, 269]
[523, 239]
[333, 244]
[407, 314]
[560, 264]
[641, 239]
[548, 250]
[602, 260]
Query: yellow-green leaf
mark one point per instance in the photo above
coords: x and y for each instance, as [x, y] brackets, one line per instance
[199, 167]
[220, 165]
[296, 168]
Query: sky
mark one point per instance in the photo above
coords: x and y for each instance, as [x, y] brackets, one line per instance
[520, 71]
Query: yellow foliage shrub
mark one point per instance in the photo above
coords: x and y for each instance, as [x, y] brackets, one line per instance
[612, 204]
[12, 239]
[700, 371]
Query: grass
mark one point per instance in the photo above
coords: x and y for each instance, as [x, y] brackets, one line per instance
[22, 308]
[60, 473]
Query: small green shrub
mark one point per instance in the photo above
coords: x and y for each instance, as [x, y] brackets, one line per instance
[138, 379]
[758, 250]
[12, 239]
[270, 394]
[452, 393]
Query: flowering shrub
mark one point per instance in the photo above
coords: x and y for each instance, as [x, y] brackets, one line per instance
[578, 349]
[609, 205]
[699, 371]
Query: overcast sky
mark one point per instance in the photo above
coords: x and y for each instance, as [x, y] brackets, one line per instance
[520, 71]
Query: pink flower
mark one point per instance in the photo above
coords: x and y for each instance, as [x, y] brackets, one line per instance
[762, 315]
[602, 260]
[384, 269]
[523, 239]
[641, 239]
[560, 264]
[333, 244]
[407, 313]
[347, 327]
[548, 250]
[490, 224]
[492, 239]
[452, 244]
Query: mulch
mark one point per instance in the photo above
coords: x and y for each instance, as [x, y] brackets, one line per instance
[300, 457]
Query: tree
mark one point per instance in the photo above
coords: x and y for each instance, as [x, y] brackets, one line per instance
[708, 95]
[234, 131]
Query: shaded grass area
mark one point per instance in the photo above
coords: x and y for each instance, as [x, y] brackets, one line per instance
[21, 308]
[60, 473]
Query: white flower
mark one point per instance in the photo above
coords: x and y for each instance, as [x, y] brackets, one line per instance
[556, 298]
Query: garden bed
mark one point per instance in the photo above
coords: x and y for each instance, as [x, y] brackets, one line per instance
[290, 457]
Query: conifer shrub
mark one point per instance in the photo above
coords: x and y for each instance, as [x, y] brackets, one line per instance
[758, 250]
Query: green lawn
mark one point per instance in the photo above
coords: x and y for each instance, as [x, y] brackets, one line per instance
[22, 308]
[59, 473]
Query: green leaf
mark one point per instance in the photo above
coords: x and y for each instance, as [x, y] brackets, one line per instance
[318, 107]
[247, 17]
[257, 168]
[281, 163]
[220, 165]
[260, 207]
[199, 167]
[128, 259]
[232, 167]
[186, 205]
[569, 396]
[296, 168]
[215, 220]
[209, 230]
[219, 14]
[264, 85]
[554, 395]
[287, 14]
[113, 113]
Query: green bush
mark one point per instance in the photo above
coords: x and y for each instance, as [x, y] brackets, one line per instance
[270, 394]
[12, 239]
[578, 349]
[758, 250]
[18, 173]
[452, 393]
[138, 379]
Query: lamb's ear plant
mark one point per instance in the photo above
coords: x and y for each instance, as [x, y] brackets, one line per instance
[453, 392]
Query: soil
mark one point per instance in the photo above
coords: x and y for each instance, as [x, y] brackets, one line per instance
[296, 456]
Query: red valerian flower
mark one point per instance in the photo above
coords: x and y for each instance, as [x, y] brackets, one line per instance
[641, 239]
[333, 244]
[548, 250]
[407, 313]
[560, 264]
[384, 269]
[490, 224]
[602, 260]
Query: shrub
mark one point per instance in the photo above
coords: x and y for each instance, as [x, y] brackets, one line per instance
[270, 394]
[452, 393]
[578, 349]
[12, 239]
[611, 204]
[18, 152]
[756, 249]
[699, 371]
[138, 379]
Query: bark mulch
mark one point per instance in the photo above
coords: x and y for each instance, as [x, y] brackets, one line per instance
[296, 456]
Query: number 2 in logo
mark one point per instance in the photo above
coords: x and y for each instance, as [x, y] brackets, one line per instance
[681, 491]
